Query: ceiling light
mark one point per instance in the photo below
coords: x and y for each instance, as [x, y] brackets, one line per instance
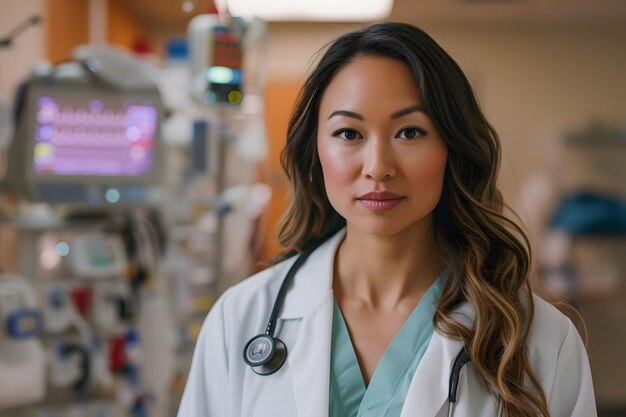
[310, 10]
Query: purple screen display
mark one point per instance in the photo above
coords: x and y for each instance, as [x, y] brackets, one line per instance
[94, 137]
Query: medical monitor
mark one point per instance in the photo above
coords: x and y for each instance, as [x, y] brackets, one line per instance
[84, 143]
[85, 136]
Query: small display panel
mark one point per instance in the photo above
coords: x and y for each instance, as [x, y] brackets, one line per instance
[225, 75]
[92, 137]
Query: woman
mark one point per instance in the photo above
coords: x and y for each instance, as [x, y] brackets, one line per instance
[412, 262]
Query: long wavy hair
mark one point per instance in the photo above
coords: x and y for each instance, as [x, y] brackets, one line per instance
[487, 253]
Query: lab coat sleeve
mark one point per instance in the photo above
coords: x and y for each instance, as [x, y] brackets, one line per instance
[572, 391]
[206, 391]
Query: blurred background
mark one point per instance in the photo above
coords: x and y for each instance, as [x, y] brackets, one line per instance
[139, 149]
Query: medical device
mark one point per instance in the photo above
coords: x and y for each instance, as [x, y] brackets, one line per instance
[22, 358]
[98, 255]
[266, 354]
[84, 139]
[6, 124]
[216, 62]
[70, 365]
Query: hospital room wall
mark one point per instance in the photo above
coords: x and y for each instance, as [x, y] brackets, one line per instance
[17, 61]
[66, 26]
[123, 28]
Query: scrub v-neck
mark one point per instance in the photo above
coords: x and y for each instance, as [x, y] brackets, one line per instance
[385, 394]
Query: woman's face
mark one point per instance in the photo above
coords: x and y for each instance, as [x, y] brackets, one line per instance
[382, 158]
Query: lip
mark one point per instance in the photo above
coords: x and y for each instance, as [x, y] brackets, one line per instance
[380, 196]
[380, 201]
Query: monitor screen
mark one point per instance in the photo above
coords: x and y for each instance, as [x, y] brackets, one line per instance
[79, 136]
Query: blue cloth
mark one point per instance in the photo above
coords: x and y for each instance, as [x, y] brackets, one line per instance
[589, 213]
[384, 397]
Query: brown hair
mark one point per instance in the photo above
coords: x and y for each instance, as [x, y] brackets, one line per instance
[487, 254]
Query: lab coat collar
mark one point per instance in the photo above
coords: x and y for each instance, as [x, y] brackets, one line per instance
[314, 281]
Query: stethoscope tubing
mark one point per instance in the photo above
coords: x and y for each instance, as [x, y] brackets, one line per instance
[280, 297]
[460, 361]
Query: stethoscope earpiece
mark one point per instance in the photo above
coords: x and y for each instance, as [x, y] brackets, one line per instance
[265, 354]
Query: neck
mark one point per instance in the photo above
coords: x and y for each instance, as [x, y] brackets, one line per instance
[385, 272]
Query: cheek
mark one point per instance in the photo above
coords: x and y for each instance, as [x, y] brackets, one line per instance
[429, 173]
[335, 166]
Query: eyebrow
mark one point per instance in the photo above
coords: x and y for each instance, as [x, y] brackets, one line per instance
[395, 115]
[408, 110]
[346, 113]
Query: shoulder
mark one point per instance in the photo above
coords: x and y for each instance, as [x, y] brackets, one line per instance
[550, 328]
[555, 348]
[551, 332]
[559, 361]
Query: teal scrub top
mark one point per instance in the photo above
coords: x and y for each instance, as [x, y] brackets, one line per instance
[388, 387]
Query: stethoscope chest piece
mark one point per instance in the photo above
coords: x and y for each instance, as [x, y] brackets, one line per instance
[265, 354]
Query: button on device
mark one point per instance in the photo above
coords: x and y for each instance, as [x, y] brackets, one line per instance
[24, 323]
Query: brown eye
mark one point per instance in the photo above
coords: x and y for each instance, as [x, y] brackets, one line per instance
[411, 133]
[347, 134]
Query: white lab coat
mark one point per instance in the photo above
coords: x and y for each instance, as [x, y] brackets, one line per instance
[220, 384]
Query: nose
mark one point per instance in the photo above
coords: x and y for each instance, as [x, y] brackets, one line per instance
[379, 160]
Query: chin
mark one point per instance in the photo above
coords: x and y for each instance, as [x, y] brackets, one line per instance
[388, 225]
[378, 227]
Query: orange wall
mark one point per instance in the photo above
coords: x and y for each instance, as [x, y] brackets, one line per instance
[67, 26]
[123, 28]
[280, 98]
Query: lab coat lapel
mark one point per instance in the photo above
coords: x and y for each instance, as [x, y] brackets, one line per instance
[428, 391]
[309, 361]
[310, 299]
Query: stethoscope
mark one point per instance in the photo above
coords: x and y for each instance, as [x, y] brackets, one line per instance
[266, 354]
